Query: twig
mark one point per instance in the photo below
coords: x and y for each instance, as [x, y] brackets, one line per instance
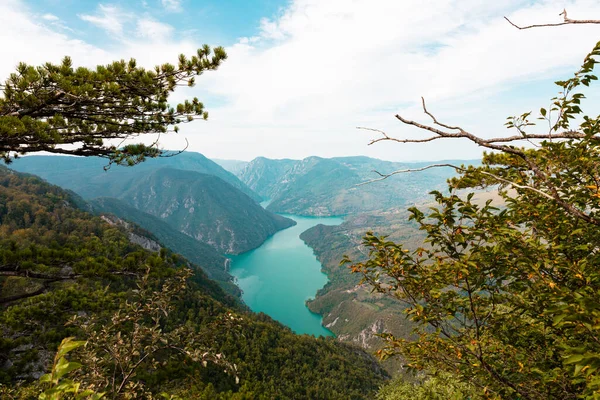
[566, 21]
[404, 171]
[460, 169]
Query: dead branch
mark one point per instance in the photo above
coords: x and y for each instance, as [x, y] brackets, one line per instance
[459, 169]
[566, 21]
[404, 171]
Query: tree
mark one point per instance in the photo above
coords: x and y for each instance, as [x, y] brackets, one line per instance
[507, 299]
[137, 338]
[46, 107]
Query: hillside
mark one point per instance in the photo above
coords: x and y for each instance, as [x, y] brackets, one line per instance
[266, 176]
[59, 262]
[86, 175]
[214, 264]
[324, 187]
[205, 208]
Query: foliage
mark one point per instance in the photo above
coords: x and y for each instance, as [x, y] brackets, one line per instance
[136, 339]
[50, 105]
[440, 387]
[508, 298]
[54, 385]
[59, 387]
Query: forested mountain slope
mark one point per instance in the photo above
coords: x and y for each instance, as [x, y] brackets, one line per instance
[205, 208]
[330, 186]
[201, 254]
[266, 176]
[224, 215]
[58, 262]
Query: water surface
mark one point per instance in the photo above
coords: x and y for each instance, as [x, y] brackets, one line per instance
[278, 277]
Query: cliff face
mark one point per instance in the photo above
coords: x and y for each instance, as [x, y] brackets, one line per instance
[145, 241]
[212, 262]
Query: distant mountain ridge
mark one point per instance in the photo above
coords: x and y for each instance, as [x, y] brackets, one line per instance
[265, 176]
[87, 177]
[233, 166]
[318, 186]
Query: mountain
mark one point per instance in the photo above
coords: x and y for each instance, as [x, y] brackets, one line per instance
[233, 166]
[66, 272]
[205, 208]
[225, 214]
[266, 176]
[87, 177]
[331, 186]
[214, 264]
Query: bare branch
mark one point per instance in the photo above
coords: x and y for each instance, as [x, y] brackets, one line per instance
[26, 295]
[393, 139]
[435, 121]
[493, 144]
[566, 21]
[459, 169]
[404, 171]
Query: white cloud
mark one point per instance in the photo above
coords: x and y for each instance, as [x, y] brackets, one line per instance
[172, 5]
[56, 23]
[25, 38]
[322, 67]
[325, 66]
[108, 17]
[50, 17]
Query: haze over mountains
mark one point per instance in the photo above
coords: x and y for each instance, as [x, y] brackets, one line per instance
[87, 177]
[318, 186]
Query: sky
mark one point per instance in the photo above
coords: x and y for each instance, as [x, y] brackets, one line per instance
[302, 75]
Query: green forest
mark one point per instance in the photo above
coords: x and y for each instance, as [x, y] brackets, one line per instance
[153, 318]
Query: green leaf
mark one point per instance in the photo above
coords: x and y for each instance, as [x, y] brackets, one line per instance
[574, 358]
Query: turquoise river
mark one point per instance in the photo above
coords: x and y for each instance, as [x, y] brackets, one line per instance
[278, 277]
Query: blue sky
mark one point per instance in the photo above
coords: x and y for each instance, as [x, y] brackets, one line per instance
[212, 21]
[303, 74]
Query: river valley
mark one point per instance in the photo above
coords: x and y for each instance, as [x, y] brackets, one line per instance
[279, 276]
